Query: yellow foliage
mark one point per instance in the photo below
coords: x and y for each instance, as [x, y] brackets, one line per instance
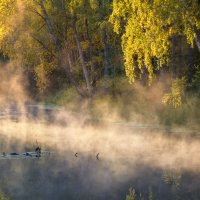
[8, 10]
[175, 96]
[147, 27]
[94, 4]
[42, 72]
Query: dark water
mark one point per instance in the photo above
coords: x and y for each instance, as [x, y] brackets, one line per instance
[57, 178]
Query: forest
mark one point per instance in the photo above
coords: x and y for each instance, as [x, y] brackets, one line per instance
[113, 63]
[89, 44]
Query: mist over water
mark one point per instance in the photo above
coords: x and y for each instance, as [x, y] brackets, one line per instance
[130, 154]
[128, 157]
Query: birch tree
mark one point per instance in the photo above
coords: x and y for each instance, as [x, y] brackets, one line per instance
[147, 28]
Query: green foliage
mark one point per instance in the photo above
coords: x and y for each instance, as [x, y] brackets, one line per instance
[196, 80]
[176, 94]
[147, 28]
[66, 97]
[172, 179]
[3, 197]
[132, 195]
[150, 195]
[94, 4]
[42, 72]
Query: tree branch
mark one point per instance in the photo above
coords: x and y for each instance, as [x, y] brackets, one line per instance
[44, 46]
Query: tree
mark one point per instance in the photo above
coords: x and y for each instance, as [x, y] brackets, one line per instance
[56, 38]
[41, 39]
[72, 12]
[147, 28]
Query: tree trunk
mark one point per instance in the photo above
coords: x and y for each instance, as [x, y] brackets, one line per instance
[105, 40]
[173, 69]
[67, 65]
[197, 41]
[68, 68]
[93, 71]
[106, 53]
[85, 71]
[50, 28]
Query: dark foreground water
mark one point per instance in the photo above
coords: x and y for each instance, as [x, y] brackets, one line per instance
[56, 178]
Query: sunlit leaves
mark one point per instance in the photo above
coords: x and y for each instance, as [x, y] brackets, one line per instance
[176, 94]
[132, 195]
[94, 4]
[147, 28]
[7, 10]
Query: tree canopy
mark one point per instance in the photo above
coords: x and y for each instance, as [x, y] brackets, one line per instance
[80, 43]
[147, 28]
